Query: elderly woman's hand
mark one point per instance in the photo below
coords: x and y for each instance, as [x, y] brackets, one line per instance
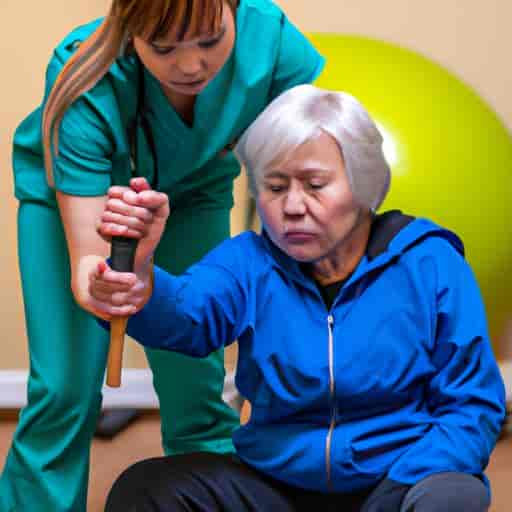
[135, 212]
[117, 293]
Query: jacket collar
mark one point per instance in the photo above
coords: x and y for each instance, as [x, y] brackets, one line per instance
[392, 234]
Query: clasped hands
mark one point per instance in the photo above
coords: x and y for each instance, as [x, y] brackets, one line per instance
[138, 212]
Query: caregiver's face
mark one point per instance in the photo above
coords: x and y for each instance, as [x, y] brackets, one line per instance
[188, 64]
[305, 201]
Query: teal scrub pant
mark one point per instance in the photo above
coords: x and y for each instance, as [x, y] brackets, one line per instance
[47, 467]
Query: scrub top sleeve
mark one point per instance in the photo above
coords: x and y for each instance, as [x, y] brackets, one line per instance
[298, 61]
[84, 163]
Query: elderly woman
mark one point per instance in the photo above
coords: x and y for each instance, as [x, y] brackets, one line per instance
[363, 345]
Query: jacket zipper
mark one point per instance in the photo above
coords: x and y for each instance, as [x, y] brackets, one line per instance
[332, 388]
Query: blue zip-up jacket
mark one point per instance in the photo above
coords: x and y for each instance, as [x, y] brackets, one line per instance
[397, 379]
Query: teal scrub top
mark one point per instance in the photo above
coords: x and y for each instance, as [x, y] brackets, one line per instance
[269, 56]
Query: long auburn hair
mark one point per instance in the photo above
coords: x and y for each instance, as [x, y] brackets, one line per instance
[151, 19]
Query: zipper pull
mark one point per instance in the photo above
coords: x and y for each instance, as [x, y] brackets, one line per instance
[330, 320]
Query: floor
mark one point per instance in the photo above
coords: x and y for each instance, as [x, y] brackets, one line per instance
[142, 440]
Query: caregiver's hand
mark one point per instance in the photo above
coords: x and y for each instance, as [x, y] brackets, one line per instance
[135, 212]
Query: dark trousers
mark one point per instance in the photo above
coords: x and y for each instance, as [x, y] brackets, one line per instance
[207, 482]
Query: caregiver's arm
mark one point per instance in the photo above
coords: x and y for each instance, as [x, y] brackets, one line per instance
[86, 248]
[82, 170]
[466, 394]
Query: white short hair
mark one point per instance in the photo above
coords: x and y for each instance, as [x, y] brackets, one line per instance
[304, 112]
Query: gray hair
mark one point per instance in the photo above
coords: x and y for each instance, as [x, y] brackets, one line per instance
[304, 112]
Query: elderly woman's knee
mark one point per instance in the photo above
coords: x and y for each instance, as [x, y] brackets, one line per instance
[164, 484]
[447, 492]
[137, 487]
[124, 490]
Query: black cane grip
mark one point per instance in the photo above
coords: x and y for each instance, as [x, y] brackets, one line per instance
[122, 258]
[122, 253]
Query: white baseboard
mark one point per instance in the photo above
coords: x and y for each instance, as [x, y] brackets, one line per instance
[506, 372]
[137, 390]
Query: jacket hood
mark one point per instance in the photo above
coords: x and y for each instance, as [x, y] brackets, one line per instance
[394, 233]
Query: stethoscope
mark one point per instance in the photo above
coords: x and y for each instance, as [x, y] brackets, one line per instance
[140, 133]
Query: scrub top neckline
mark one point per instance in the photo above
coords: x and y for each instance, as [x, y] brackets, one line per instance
[163, 109]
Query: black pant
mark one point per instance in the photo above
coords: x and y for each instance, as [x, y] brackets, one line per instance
[206, 482]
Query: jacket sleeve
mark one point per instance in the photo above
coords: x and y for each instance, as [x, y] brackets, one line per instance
[195, 314]
[466, 395]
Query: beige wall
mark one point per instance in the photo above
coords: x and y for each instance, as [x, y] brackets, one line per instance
[470, 37]
[29, 32]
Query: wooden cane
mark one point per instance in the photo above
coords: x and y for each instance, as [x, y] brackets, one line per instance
[122, 258]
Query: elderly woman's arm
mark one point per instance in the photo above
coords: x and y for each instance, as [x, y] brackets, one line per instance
[466, 397]
[198, 312]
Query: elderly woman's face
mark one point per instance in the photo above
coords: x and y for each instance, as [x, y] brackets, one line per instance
[305, 201]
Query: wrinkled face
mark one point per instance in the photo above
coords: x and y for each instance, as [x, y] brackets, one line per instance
[306, 203]
[187, 65]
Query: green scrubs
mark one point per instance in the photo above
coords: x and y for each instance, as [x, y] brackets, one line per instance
[47, 467]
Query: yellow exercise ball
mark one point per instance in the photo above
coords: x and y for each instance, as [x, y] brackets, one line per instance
[451, 156]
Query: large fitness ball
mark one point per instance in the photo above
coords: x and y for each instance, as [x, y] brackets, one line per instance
[451, 156]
